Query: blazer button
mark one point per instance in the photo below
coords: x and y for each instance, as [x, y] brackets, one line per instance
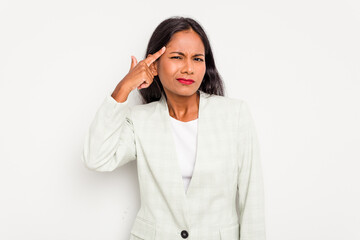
[184, 234]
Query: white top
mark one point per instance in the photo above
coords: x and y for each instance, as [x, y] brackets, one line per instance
[185, 139]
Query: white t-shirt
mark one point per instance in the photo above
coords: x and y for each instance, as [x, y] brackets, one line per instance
[185, 138]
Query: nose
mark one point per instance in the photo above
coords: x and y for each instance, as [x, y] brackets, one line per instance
[188, 67]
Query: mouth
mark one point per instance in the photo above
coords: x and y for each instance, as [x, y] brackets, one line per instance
[185, 81]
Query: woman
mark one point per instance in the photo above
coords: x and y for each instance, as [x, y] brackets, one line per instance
[195, 149]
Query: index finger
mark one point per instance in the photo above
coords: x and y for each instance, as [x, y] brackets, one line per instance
[149, 60]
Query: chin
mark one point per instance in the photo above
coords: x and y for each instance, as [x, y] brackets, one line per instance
[184, 91]
[187, 93]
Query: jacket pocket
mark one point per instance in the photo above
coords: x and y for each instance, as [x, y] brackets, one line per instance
[231, 232]
[143, 229]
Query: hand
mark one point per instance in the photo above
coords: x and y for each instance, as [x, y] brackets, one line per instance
[140, 74]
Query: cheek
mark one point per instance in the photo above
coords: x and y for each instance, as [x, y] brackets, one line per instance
[202, 70]
[168, 68]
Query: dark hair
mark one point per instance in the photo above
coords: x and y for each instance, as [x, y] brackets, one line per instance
[211, 83]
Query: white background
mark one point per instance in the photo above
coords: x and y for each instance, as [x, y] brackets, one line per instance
[296, 63]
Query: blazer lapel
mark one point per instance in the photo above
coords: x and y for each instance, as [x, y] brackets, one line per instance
[173, 165]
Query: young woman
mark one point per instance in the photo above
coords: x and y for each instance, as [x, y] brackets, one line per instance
[195, 148]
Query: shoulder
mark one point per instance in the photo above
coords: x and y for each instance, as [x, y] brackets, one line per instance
[238, 108]
[234, 104]
[144, 109]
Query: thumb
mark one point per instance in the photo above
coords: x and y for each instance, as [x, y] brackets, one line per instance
[133, 62]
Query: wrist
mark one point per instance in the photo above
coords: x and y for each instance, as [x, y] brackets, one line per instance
[121, 92]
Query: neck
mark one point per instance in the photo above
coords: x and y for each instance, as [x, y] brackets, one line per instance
[183, 108]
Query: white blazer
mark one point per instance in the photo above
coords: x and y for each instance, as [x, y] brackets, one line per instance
[227, 164]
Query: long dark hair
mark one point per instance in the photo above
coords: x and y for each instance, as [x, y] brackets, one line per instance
[211, 83]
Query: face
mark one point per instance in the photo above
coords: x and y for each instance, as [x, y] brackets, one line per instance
[184, 57]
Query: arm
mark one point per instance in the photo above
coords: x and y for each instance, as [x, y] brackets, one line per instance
[250, 180]
[110, 141]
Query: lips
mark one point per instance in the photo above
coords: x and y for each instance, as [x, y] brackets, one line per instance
[185, 81]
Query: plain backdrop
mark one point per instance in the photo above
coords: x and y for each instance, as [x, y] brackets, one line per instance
[296, 63]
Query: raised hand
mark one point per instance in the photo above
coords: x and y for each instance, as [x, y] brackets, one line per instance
[140, 75]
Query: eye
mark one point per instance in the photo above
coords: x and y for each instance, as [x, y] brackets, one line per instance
[197, 59]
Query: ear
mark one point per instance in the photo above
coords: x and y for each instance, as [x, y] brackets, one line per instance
[153, 67]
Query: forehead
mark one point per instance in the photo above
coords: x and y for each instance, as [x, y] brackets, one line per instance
[186, 41]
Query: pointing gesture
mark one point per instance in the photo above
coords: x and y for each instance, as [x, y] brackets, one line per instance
[152, 58]
[140, 75]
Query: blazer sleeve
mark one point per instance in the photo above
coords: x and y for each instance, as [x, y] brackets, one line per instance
[110, 141]
[250, 179]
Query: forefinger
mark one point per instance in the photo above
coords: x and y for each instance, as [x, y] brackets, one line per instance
[152, 58]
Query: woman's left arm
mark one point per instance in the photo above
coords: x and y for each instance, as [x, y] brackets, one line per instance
[250, 179]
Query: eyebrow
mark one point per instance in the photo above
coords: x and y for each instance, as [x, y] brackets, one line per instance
[180, 53]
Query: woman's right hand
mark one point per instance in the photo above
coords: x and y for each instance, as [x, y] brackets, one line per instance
[140, 75]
